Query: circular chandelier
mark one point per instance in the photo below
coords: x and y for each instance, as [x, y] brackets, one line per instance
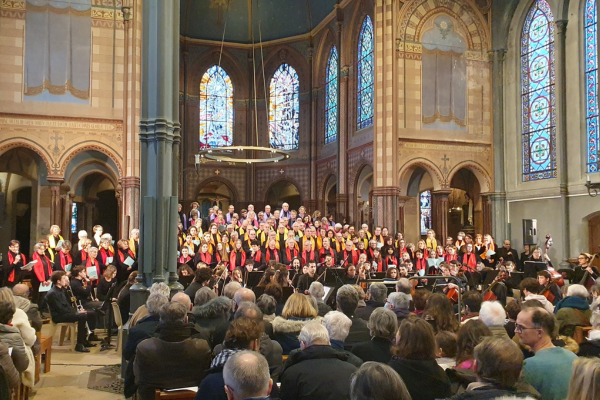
[237, 154]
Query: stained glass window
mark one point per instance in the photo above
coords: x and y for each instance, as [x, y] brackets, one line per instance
[364, 93]
[284, 108]
[425, 207]
[331, 97]
[74, 218]
[538, 101]
[591, 85]
[216, 108]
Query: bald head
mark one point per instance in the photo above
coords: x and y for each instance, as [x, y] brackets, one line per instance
[246, 375]
[244, 294]
[21, 290]
[183, 299]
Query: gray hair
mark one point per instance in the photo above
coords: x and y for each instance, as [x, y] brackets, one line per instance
[37, 246]
[172, 312]
[244, 294]
[337, 324]
[155, 302]
[313, 333]
[374, 380]
[403, 286]
[316, 290]
[492, 313]
[230, 289]
[161, 288]
[203, 296]
[400, 300]
[249, 310]
[347, 299]
[378, 292]
[383, 323]
[578, 290]
[246, 373]
[267, 304]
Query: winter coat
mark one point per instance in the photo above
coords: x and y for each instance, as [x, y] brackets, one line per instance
[547, 305]
[359, 332]
[488, 391]
[571, 312]
[211, 315]
[424, 379]
[286, 331]
[366, 311]
[8, 366]
[377, 349]
[10, 336]
[317, 372]
[32, 311]
[591, 346]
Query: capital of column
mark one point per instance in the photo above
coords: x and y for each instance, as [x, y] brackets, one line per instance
[130, 182]
[561, 26]
[497, 55]
[386, 191]
[345, 71]
[442, 194]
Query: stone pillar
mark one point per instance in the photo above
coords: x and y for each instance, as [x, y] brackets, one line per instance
[561, 134]
[55, 205]
[90, 203]
[313, 203]
[385, 120]
[401, 203]
[486, 210]
[498, 198]
[439, 201]
[65, 225]
[159, 139]
[342, 159]
[130, 205]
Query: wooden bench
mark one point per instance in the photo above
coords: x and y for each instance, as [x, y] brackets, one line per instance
[45, 348]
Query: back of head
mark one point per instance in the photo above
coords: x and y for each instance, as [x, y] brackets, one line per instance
[230, 289]
[267, 304]
[584, 381]
[400, 300]
[173, 313]
[7, 310]
[376, 381]
[578, 291]
[417, 341]
[244, 294]
[513, 308]
[21, 290]
[161, 288]
[403, 285]
[242, 332]
[469, 336]
[313, 334]
[378, 292]
[203, 296]
[492, 313]
[316, 290]
[337, 325]
[275, 290]
[246, 375]
[347, 299]
[542, 319]
[447, 341]
[203, 275]
[420, 298]
[298, 306]
[155, 302]
[499, 361]
[531, 285]
[182, 299]
[473, 300]
[383, 323]
[250, 310]
[7, 294]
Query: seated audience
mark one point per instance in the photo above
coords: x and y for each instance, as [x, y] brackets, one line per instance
[573, 310]
[550, 369]
[240, 296]
[146, 327]
[338, 325]
[404, 286]
[11, 337]
[513, 308]
[585, 378]
[267, 305]
[11, 374]
[440, 314]
[383, 325]
[472, 301]
[530, 288]
[202, 279]
[447, 342]
[246, 376]
[413, 358]
[173, 359]
[297, 312]
[469, 335]
[347, 302]
[142, 311]
[420, 301]
[492, 314]
[230, 289]
[316, 290]
[376, 297]
[21, 295]
[591, 346]
[318, 371]
[399, 303]
[375, 381]
[212, 315]
[203, 296]
[124, 297]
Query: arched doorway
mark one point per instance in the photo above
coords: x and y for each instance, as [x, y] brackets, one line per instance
[283, 192]
[418, 207]
[330, 197]
[214, 193]
[464, 204]
[364, 184]
[95, 203]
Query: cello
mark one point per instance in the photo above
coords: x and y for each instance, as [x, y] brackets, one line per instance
[488, 294]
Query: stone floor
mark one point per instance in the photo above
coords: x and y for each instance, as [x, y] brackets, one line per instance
[70, 372]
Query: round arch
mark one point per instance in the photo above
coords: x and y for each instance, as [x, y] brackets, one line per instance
[234, 194]
[99, 147]
[284, 190]
[406, 171]
[28, 144]
[483, 177]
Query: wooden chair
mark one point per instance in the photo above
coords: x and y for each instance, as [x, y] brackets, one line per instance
[119, 322]
[175, 395]
[581, 332]
[70, 327]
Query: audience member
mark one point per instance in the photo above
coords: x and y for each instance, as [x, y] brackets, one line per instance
[440, 314]
[203, 296]
[420, 301]
[472, 301]
[146, 327]
[173, 359]
[10, 336]
[530, 287]
[11, 374]
[376, 297]
[550, 369]
[375, 381]
[297, 312]
[361, 295]
[267, 305]
[317, 291]
[492, 314]
[338, 325]
[246, 376]
[591, 346]
[347, 302]
[513, 308]
[469, 335]
[447, 342]
[318, 371]
[585, 380]
[573, 310]
[230, 289]
[413, 358]
[399, 303]
[124, 297]
[383, 325]
[21, 297]
[404, 286]
[212, 315]
[142, 312]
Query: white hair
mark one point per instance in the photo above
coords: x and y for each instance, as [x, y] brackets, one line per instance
[106, 236]
[313, 333]
[492, 313]
[82, 234]
[577, 290]
[230, 289]
[159, 287]
[337, 324]
[400, 300]
[316, 290]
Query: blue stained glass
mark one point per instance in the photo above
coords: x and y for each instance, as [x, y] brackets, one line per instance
[538, 100]
[591, 85]
[365, 75]
[284, 108]
[74, 218]
[216, 108]
[425, 206]
[331, 97]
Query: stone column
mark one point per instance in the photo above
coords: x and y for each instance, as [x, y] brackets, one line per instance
[561, 134]
[55, 205]
[498, 198]
[486, 210]
[342, 163]
[440, 214]
[130, 204]
[313, 203]
[65, 226]
[385, 118]
[401, 203]
[159, 139]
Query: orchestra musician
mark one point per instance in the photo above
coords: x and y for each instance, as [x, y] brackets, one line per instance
[16, 260]
[309, 277]
[585, 274]
[82, 290]
[549, 289]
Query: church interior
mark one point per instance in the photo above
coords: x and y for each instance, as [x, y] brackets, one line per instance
[474, 116]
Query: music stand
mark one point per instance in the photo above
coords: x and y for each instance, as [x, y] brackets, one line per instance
[531, 268]
[379, 275]
[334, 275]
[254, 278]
[107, 306]
[186, 280]
[491, 275]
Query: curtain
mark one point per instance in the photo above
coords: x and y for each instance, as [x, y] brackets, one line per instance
[58, 47]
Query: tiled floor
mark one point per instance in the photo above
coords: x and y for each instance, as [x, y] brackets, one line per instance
[70, 371]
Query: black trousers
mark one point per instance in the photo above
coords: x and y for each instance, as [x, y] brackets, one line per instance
[81, 319]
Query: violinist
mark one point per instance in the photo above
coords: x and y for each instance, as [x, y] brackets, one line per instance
[63, 257]
[15, 261]
[307, 278]
[391, 274]
[500, 288]
[585, 274]
[351, 275]
[548, 288]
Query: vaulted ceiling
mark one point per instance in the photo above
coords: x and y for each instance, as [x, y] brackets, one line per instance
[272, 19]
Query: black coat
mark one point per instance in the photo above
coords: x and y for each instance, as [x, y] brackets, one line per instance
[359, 332]
[318, 372]
[589, 348]
[377, 349]
[492, 392]
[424, 379]
[60, 305]
[365, 312]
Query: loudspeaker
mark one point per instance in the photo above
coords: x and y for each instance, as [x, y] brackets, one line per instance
[529, 231]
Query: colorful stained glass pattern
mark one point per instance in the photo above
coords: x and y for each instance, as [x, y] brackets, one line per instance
[425, 206]
[591, 85]
[216, 109]
[331, 97]
[365, 75]
[74, 218]
[284, 108]
[538, 100]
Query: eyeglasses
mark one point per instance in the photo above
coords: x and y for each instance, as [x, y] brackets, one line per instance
[521, 328]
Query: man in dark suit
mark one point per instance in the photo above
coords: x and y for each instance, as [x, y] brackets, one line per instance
[506, 253]
[347, 302]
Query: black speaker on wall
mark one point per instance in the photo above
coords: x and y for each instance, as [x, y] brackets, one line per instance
[530, 231]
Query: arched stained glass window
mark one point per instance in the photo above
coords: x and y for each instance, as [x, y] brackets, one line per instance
[216, 108]
[331, 97]
[365, 75]
[591, 84]
[284, 108]
[538, 101]
[425, 210]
